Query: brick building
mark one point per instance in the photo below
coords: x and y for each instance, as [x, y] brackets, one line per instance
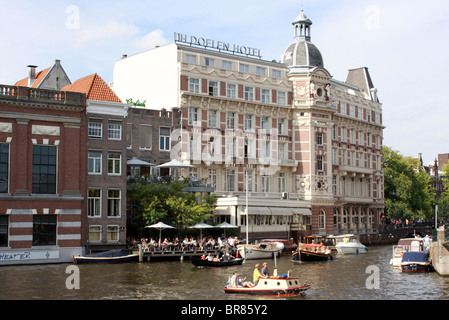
[105, 226]
[43, 164]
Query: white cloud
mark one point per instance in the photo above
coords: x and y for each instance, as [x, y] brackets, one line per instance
[152, 39]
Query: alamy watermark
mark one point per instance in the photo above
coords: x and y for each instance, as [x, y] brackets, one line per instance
[372, 21]
[73, 280]
[373, 280]
[72, 21]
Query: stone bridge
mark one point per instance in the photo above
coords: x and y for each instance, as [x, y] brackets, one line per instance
[392, 236]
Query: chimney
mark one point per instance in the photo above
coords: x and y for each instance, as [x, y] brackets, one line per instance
[32, 75]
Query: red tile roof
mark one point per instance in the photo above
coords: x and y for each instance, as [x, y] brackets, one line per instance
[39, 77]
[94, 87]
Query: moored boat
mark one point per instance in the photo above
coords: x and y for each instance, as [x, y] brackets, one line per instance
[196, 261]
[272, 286]
[262, 250]
[289, 246]
[407, 245]
[348, 244]
[111, 256]
[415, 262]
[312, 252]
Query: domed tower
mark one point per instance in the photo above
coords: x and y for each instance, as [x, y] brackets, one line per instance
[312, 123]
[302, 54]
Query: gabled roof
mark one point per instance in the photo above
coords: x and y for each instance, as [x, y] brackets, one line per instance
[94, 87]
[40, 76]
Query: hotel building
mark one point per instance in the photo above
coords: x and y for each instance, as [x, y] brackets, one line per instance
[288, 149]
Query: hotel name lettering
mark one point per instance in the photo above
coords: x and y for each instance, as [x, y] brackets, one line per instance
[218, 45]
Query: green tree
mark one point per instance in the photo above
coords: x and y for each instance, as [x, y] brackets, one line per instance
[443, 203]
[170, 204]
[408, 192]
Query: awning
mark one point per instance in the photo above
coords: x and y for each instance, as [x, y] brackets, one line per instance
[224, 211]
[276, 211]
[303, 211]
[263, 211]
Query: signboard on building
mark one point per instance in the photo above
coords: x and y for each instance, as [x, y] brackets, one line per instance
[217, 45]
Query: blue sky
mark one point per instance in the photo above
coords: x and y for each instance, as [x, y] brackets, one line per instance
[405, 45]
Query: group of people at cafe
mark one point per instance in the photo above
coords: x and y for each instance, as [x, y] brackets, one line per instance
[188, 243]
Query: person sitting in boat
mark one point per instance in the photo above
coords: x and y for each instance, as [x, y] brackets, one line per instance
[209, 257]
[257, 275]
[236, 281]
[203, 257]
[216, 259]
[226, 256]
[264, 270]
[327, 251]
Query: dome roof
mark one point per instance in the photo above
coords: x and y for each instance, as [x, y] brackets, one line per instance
[302, 53]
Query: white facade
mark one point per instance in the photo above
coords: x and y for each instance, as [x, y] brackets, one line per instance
[151, 76]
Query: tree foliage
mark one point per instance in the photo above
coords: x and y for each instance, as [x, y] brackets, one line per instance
[170, 204]
[408, 192]
[443, 203]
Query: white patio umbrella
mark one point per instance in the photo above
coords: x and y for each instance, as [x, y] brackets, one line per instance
[175, 164]
[135, 165]
[161, 226]
[201, 226]
[138, 163]
[225, 225]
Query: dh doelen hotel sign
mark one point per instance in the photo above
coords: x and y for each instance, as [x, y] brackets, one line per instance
[218, 45]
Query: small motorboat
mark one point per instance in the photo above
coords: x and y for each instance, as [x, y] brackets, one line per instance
[415, 262]
[111, 256]
[262, 250]
[407, 245]
[349, 245]
[312, 252]
[196, 261]
[289, 246]
[278, 286]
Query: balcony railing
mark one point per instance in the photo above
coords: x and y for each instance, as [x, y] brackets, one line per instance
[42, 95]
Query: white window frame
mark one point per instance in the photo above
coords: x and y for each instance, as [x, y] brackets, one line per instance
[190, 58]
[194, 85]
[226, 65]
[248, 93]
[212, 119]
[243, 68]
[266, 96]
[116, 164]
[114, 131]
[95, 130]
[95, 203]
[231, 91]
[282, 98]
[164, 140]
[96, 161]
[117, 204]
[261, 71]
[113, 231]
[99, 232]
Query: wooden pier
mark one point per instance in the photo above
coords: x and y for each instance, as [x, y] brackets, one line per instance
[179, 254]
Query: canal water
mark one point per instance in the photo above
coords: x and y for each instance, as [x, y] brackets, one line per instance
[359, 277]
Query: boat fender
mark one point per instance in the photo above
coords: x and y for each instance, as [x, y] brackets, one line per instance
[357, 251]
[366, 249]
